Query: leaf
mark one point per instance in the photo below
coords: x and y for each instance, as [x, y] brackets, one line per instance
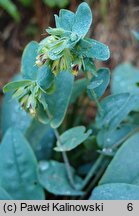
[65, 19]
[59, 100]
[107, 138]
[53, 177]
[78, 88]
[4, 195]
[125, 78]
[45, 77]
[11, 86]
[42, 139]
[13, 114]
[117, 191]
[115, 109]
[124, 167]
[71, 138]
[18, 167]
[83, 20]
[28, 68]
[11, 8]
[136, 34]
[98, 51]
[99, 83]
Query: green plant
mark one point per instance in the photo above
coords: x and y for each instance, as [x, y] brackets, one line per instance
[42, 124]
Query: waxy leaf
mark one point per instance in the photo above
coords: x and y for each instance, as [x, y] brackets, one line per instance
[41, 138]
[98, 51]
[83, 20]
[125, 78]
[115, 109]
[18, 167]
[136, 34]
[124, 168]
[72, 138]
[78, 88]
[45, 77]
[28, 68]
[117, 191]
[59, 100]
[107, 138]
[53, 177]
[65, 19]
[11, 86]
[4, 195]
[99, 83]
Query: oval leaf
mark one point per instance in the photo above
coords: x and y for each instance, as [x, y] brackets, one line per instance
[18, 168]
[72, 138]
[83, 20]
[124, 168]
[53, 177]
[28, 68]
[117, 191]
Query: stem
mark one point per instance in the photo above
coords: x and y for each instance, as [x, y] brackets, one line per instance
[64, 155]
[97, 102]
[95, 180]
[93, 170]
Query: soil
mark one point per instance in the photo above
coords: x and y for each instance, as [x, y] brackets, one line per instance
[112, 25]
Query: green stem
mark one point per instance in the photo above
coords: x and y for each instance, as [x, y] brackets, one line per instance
[64, 155]
[93, 170]
[97, 102]
[95, 180]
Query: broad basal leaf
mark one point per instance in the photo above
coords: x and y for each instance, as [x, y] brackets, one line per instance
[53, 177]
[28, 68]
[124, 168]
[117, 191]
[4, 195]
[72, 138]
[18, 168]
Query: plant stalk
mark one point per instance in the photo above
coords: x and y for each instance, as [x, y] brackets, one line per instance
[64, 155]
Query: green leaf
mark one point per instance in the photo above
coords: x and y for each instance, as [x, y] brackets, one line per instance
[98, 51]
[125, 78]
[78, 88]
[136, 34]
[115, 109]
[18, 167]
[4, 195]
[28, 68]
[59, 100]
[53, 177]
[65, 20]
[99, 83]
[107, 138]
[11, 86]
[124, 168]
[45, 77]
[83, 20]
[13, 114]
[41, 138]
[71, 138]
[117, 191]
[11, 8]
